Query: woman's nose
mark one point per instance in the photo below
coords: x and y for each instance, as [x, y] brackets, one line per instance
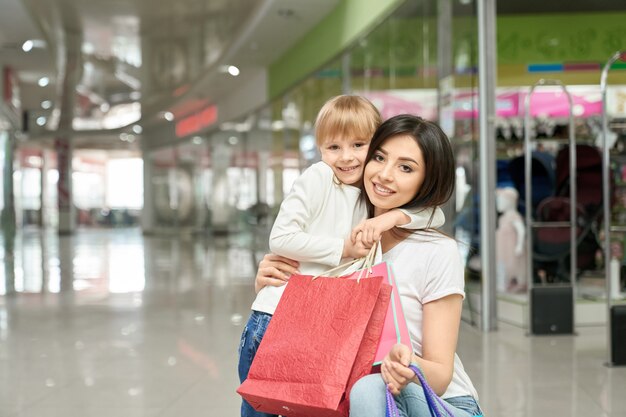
[385, 173]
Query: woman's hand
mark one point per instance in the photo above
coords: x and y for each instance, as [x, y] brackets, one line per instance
[274, 270]
[395, 368]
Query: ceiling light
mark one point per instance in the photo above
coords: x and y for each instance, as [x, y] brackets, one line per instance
[233, 140]
[41, 121]
[33, 43]
[169, 116]
[43, 81]
[233, 70]
[137, 129]
[46, 104]
[197, 140]
[27, 46]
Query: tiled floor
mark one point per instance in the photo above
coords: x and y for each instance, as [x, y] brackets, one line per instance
[111, 323]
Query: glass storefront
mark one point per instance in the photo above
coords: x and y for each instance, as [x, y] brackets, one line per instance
[546, 57]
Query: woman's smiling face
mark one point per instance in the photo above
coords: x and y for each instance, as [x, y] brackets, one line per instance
[395, 173]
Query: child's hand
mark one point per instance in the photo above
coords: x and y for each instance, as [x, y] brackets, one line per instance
[354, 249]
[372, 229]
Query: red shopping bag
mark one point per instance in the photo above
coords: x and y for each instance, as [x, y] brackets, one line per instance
[321, 340]
[395, 329]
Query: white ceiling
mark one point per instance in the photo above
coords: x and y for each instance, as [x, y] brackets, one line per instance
[174, 49]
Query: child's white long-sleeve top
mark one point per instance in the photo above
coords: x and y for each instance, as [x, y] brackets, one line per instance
[313, 221]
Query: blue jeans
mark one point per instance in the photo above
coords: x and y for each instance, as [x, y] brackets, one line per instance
[367, 399]
[250, 340]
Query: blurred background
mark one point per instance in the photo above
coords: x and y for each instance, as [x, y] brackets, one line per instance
[145, 148]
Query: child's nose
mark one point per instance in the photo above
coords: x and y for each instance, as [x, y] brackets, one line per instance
[348, 155]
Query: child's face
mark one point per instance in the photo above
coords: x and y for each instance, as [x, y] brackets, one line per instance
[346, 158]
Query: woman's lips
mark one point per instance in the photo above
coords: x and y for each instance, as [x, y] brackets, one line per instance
[381, 190]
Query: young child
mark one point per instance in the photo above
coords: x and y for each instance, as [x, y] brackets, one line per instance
[316, 218]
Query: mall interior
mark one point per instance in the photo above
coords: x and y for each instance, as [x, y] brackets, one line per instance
[146, 147]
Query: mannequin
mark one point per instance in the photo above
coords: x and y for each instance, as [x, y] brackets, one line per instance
[510, 243]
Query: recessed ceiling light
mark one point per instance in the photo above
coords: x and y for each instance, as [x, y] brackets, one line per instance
[137, 129]
[27, 46]
[43, 81]
[46, 104]
[33, 43]
[233, 70]
[169, 116]
[41, 121]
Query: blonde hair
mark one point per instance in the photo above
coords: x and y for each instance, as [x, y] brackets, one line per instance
[346, 116]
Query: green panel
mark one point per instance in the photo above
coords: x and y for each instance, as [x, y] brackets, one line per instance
[331, 36]
[562, 37]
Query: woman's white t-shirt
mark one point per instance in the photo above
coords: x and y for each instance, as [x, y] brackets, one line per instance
[428, 267]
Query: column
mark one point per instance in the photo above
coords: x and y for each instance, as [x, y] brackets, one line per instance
[147, 212]
[68, 55]
[486, 121]
[221, 154]
[7, 215]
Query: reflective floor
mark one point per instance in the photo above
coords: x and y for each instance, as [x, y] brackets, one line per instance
[112, 323]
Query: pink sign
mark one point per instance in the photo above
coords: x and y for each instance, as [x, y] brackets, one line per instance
[551, 104]
[422, 103]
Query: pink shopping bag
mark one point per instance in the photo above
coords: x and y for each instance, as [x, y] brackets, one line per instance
[395, 329]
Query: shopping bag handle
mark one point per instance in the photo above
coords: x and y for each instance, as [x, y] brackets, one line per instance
[367, 260]
[436, 406]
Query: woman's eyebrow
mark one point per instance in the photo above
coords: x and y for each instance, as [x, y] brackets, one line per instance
[380, 149]
[409, 160]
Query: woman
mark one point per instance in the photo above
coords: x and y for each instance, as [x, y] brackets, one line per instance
[410, 165]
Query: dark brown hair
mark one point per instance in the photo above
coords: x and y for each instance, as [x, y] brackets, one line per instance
[439, 175]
